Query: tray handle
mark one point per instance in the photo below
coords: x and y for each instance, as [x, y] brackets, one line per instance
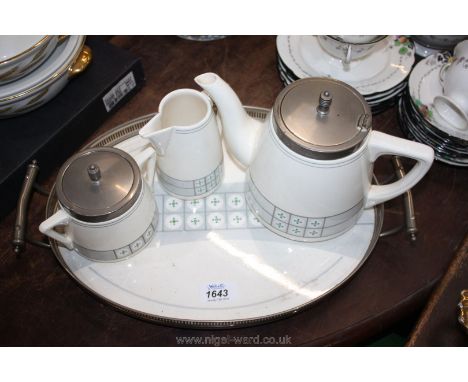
[29, 184]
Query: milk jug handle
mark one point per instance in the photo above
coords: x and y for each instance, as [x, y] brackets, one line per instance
[384, 144]
[47, 227]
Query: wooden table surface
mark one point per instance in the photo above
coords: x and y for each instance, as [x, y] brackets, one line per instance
[41, 305]
[438, 324]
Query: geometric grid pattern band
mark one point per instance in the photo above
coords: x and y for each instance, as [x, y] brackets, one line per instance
[193, 187]
[297, 225]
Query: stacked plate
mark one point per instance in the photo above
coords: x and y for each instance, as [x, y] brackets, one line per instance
[380, 76]
[34, 69]
[420, 121]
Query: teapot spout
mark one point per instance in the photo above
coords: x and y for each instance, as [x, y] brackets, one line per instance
[240, 131]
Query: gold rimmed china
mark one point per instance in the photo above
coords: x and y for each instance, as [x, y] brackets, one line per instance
[70, 58]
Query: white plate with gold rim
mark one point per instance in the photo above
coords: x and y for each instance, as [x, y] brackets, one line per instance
[386, 67]
[20, 55]
[33, 90]
[211, 264]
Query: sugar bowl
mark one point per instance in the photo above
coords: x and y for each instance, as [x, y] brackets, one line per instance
[107, 210]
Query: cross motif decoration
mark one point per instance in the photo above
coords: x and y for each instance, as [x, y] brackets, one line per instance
[237, 219]
[215, 201]
[236, 201]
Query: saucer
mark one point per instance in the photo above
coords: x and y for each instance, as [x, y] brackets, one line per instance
[424, 85]
[212, 264]
[381, 70]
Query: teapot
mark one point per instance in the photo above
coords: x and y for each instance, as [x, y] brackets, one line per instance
[309, 165]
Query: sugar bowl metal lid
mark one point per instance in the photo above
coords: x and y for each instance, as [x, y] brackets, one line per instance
[321, 118]
[98, 184]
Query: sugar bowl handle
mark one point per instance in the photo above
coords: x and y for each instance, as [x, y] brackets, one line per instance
[60, 218]
[146, 160]
[384, 144]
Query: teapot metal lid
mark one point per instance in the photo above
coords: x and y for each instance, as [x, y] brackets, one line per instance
[321, 118]
[98, 184]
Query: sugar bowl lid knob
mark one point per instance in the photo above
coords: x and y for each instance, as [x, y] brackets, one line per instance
[94, 172]
[325, 100]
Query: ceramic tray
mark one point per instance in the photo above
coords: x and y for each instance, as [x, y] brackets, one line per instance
[212, 264]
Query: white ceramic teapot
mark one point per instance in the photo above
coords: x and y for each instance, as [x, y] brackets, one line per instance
[310, 164]
[107, 209]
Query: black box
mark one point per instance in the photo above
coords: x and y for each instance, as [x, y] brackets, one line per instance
[53, 132]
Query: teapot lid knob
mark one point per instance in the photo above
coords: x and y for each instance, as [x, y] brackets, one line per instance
[325, 100]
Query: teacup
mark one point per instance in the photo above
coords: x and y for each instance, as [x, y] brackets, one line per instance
[452, 106]
[461, 49]
[349, 48]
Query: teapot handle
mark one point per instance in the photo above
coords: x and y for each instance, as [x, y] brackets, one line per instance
[384, 144]
[59, 218]
[146, 160]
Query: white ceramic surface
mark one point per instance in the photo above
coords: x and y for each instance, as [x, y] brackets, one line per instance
[11, 46]
[186, 137]
[261, 276]
[452, 106]
[461, 49]
[44, 83]
[333, 191]
[347, 48]
[115, 239]
[424, 85]
[20, 55]
[383, 69]
[240, 132]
